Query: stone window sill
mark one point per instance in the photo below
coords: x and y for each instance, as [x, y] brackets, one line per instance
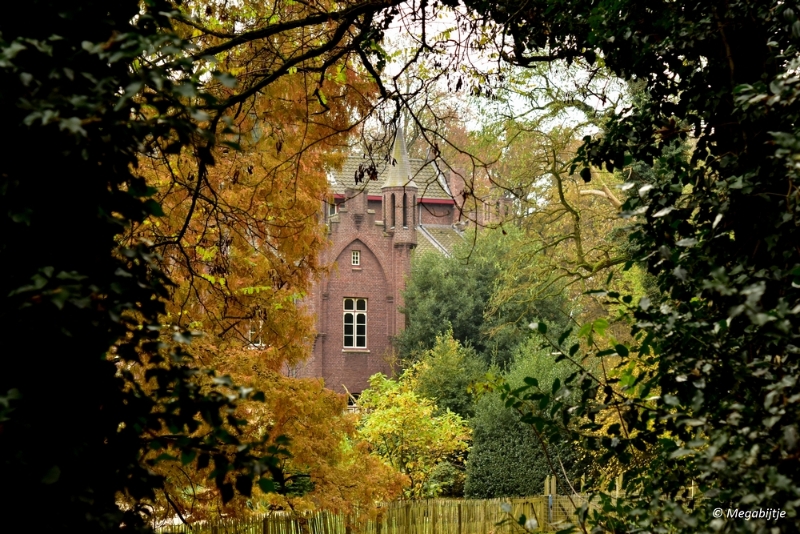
[356, 351]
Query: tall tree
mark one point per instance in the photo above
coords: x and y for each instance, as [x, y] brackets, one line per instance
[445, 373]
[74, 422]
[329, 467]
[240, 241]
[455, 293]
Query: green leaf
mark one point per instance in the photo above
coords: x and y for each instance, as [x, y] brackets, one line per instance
[203, 461]
[266, 485]
[585, 330]
[187, 90]
[225, 79]
[153, 208]
[244, 485]
[226, 492]
[188, 456]
[538, 326]
[600, 325]
[52, 475]
[531, 381]
[564, 335]
[556, 385]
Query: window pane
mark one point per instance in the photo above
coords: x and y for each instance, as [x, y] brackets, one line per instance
[361, 304]
[348, 330]
[348, 304]
[361, 341]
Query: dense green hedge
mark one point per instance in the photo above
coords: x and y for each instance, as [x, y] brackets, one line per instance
[506, 458]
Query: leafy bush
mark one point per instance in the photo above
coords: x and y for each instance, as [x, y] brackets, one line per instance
[445, 373]
[507, 458]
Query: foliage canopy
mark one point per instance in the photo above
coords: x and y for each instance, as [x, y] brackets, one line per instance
[716, 396]
[455, 293]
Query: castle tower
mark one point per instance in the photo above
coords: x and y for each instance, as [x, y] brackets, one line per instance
[400, 196]
[400, 221]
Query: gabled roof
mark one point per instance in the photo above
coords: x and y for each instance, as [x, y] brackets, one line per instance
[426, 176]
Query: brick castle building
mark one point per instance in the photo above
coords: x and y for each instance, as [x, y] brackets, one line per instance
[374, 227]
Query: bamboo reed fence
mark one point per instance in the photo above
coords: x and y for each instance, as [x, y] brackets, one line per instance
[433, 516]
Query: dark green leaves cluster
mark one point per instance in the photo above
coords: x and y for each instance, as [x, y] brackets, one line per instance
[510, 455]
[454, 293]
[85, 87]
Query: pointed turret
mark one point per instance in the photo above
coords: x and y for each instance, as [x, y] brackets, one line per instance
[399, 169]
[400, 195]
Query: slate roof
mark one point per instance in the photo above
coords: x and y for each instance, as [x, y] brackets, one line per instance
[429, 181]
[426, 245]
[440, 238]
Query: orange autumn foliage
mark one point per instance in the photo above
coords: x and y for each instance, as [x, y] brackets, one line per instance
[241, 241]
[241, 238]
[328, 468]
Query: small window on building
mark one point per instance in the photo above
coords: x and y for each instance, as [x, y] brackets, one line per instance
[355, 323]
[355, 257]
[254, 334]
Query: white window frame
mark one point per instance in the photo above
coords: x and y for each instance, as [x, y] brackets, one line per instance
[355, 317]
[254, 335]
[355, 258]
